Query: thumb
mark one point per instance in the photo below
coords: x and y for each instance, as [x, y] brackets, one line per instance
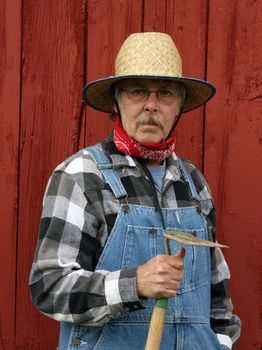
[181, 253]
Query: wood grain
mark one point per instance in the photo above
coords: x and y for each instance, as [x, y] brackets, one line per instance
[156, 329]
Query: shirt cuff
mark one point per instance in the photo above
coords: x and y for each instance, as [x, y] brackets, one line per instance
[225, 341]
[121, 293]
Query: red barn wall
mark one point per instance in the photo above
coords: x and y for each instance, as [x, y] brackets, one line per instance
[48, 50]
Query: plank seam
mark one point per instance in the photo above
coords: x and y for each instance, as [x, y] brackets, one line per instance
[82, 117]
[19, 159]
[205, 77]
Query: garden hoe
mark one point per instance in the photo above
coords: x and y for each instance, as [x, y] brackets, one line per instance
[158, 316]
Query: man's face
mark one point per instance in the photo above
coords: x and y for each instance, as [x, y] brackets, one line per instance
[149, 117]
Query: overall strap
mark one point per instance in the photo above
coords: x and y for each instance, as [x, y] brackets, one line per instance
[188, 179]
[204, 205]
[110, 174]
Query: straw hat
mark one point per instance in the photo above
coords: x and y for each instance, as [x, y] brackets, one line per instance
[147, 55]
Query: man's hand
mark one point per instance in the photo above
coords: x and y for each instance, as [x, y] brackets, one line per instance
[161, 276]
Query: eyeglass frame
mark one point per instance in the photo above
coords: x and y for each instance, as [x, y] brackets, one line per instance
[174, 94]
[115, 94]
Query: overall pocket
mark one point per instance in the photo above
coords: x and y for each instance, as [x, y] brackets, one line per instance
[197, 263]
[144, 243]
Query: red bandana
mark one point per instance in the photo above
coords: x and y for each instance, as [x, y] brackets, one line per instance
[152, 151]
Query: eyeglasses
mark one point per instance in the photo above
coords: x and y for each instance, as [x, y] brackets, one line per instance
[141, 94]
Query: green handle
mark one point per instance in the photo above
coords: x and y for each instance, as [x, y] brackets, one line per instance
[162, 302]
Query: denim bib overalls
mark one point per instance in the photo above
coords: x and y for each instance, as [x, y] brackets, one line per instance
[137, 236]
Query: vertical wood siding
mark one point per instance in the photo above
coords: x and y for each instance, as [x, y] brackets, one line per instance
[48, 50]
[233, 151]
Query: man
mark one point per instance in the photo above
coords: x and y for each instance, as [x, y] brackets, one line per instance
[100, 261]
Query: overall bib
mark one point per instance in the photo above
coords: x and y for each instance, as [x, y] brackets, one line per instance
[136, 237]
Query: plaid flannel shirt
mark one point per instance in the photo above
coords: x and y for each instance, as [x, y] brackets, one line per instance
[79, 212]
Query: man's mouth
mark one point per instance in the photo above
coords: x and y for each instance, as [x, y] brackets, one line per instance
[150, 123]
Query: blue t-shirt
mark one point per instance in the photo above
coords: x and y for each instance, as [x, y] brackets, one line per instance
[158, 174]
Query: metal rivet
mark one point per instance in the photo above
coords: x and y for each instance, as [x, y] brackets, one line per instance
[125, 208]
[152, 231]
[76, 342]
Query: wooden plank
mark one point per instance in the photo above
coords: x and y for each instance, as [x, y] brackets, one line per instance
[109, 23]
[53, 54]
[10, 32]
[233, 153]
[186, 22]
[155, 13]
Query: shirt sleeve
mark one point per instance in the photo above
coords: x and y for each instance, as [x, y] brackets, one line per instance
[64, 284]
[224, 323]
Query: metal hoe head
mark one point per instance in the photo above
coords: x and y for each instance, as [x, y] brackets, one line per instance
[190, 239]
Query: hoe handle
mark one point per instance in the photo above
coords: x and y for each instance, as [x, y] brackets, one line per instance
[156, 325]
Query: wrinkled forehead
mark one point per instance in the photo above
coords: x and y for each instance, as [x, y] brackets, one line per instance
[149, 83]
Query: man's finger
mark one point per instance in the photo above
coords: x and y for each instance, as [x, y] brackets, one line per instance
[181, 253]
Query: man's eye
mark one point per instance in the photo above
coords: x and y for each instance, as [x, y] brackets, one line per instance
[165, 92]
[139, 92]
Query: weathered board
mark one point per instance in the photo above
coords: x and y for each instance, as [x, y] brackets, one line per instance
[10, 32]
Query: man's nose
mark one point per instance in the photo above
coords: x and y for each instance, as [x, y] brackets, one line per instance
[151, 104]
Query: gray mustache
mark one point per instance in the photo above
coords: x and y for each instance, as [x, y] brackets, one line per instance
[149, 118]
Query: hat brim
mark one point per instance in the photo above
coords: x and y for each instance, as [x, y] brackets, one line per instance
[99, 93]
